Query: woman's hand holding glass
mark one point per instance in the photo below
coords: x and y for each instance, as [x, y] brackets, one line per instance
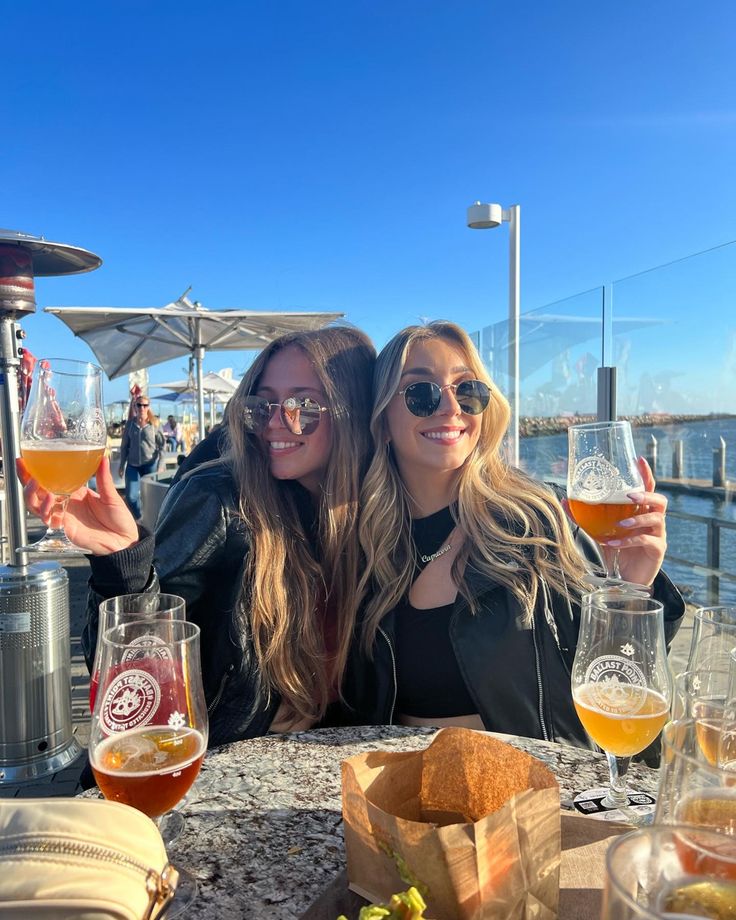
[611, 497]
[642, 542]
[99, 521]
[62, 438]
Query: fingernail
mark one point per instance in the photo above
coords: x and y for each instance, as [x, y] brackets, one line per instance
[636, 497]
[613, 543]
[627, 522]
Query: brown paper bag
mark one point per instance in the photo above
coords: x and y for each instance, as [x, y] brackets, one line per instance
[472, 822]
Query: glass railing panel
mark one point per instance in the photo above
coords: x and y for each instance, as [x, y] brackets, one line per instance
[559, 356]
[673, 341]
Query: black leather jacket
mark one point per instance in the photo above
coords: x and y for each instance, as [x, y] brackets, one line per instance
[517, 672]
[200, 549]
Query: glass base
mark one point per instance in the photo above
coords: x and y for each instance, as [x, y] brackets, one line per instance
[170, 826]
[596, 803]
[609, 583]
[53, 546]
[186, 894]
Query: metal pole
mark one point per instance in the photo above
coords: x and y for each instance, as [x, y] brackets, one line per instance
[10, 438]
[514, 220]
[198, 356]
[606, 394]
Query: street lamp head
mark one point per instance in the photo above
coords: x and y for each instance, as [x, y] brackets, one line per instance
[484, 216]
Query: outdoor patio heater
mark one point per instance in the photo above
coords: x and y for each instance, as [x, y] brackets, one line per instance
[36, 732]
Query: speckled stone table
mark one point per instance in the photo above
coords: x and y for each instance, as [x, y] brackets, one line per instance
[264, 829]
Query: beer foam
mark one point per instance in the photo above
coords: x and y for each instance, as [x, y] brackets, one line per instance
[139, 752]
[614, 498]
[58, 445]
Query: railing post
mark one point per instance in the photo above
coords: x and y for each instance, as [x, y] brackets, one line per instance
[678, 458]
[650, 453]
[719, 464]
[713, 560]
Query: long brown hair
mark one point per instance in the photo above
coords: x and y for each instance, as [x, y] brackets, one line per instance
[285, 579]
[515, 528]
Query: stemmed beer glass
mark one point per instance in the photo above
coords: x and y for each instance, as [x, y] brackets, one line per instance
[62, 437]
[602, 477]
[149, 728]
[621, 684]
[125, 608]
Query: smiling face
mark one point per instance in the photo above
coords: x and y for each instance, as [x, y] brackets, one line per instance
[430, 451]
[300, 457]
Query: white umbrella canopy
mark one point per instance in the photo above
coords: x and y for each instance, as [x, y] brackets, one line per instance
[127, 339]
[214, 384]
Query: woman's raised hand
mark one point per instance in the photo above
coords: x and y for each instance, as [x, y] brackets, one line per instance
[99, 521]
[642, 550]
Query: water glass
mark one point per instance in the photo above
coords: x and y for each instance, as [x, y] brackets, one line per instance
[693, 788]
[673, 873]
[714, 636]
[700, 695]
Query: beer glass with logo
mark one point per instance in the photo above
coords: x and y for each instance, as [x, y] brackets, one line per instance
[603, 480]
[621, 684]
[148, 735]
[125, 608]
[62, 438]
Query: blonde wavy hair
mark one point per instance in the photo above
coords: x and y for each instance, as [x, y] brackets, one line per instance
[285, 579]
[516, 533]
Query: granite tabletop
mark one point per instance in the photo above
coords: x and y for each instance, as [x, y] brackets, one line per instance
[264, 830]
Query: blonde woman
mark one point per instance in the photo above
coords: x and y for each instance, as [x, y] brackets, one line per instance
[473, 573]
[263, 543]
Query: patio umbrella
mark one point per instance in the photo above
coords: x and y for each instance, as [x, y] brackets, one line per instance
[126, 339]
[214, 385]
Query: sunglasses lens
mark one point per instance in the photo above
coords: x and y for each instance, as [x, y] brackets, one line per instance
[472, 396]
[301, 416]
[422, 398]
[256, 414]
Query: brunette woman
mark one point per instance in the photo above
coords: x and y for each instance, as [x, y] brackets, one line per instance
[473, 572]
[262, 543]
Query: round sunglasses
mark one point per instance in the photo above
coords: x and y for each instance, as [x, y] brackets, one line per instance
[424, 397]
[300, 415]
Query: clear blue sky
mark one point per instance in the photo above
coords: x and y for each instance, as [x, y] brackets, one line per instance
[321, 155]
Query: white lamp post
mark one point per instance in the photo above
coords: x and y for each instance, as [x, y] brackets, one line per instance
[482, 217]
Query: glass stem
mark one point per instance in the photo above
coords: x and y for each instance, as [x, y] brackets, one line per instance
[618, 767]
[610, 558]
[56, 518]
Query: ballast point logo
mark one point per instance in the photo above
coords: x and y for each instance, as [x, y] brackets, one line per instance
[617, 685]
[594, 480]
[147, 647]
[130, 700]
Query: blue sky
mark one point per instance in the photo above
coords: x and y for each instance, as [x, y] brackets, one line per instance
[321, 155]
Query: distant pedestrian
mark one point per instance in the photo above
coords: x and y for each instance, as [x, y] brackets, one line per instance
[139, 453]
[173, 434]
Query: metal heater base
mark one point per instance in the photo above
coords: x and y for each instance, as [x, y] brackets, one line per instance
[17, 774]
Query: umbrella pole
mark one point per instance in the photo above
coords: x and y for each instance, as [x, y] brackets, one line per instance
[198, 353]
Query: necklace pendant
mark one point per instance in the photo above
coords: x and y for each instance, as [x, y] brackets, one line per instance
[440, 552]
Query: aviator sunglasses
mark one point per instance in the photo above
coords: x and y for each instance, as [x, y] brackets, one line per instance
[300, 415]
[424, 397]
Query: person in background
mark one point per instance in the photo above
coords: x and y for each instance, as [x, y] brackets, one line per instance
[474, 574]
[262, 543]
[139, 452]
[172, 434]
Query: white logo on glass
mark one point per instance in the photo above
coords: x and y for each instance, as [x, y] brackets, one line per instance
[617, 685]
[594, 479]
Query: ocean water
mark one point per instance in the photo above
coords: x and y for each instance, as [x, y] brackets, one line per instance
[545, 457]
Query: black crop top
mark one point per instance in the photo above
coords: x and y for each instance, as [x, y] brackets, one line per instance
[429, 683]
